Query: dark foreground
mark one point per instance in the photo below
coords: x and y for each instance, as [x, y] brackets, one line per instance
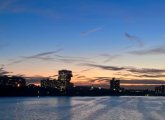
[76, 91]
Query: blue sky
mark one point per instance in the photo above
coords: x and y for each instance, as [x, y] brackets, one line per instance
[120, 33]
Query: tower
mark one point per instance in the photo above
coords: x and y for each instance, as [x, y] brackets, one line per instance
[115, 84]
[64, 78]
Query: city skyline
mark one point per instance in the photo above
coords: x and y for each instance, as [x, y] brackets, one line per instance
[96, 39]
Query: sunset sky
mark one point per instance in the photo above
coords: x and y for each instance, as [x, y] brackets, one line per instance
[96, 39]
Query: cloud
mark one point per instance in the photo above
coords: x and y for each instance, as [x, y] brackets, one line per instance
[153, 51]
[69, 60]
[85, 70]
[105, 67]
[101, 79]
[52, 56]
[142, 75]
[76, 75]
[91, 31]
[72, 59]
[40, 56]
[15, 62]
[151, 76]
[44, 58]
[146, 70]
[66, 60]
[81, 76]
[132, 71]
[134, 38]
[109, 57]
[3, 72]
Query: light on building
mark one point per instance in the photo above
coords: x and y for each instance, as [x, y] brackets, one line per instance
[18, 85]
[99, 88]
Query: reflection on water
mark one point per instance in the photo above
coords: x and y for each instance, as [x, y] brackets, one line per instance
[82, 108]
[57, 108]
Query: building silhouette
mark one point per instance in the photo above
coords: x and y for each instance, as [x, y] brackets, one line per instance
[12, 81]
[160, 89]
[48, 83]
[64, 76]
[114, 84]
[63, 83]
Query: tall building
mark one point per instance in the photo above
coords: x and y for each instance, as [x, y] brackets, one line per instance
[64, 76]
[115, 84]
[63, 82]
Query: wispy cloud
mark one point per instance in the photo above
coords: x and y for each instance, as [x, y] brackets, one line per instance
[130, 69]
[54, 57]
[3, 72]
[67, 60]
[73, 59]
[85, 70]
[109, 57]
[146, 70]
[40, 56]
[91, 31]
[114, 68]
[152, 51]
[142, 75]
[81, 76]
[104, 80]
[151, 76]
[134, 38]
[15, 62]
[136, 72]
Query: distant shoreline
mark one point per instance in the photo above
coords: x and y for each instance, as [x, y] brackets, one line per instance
[75, 91]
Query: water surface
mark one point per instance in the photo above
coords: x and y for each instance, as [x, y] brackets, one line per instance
[82, 108]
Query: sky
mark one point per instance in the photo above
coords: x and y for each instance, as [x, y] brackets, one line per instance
[96, 39]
